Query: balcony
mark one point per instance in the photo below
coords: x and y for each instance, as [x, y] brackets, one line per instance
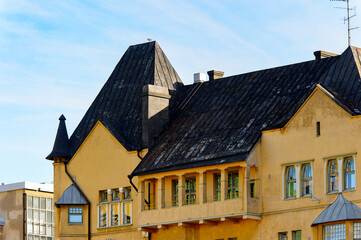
[204, 197]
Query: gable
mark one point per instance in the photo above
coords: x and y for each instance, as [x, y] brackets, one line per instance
[319, 106]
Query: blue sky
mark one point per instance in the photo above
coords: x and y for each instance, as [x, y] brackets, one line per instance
[56, 55]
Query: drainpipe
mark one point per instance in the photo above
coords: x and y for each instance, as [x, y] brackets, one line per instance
[82, 193]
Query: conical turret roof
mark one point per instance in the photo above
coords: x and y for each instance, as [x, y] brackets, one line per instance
[340, 210]
[61, 144]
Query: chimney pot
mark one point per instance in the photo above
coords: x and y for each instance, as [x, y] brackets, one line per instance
[213, 75]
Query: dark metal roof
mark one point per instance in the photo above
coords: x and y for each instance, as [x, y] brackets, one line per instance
[221, 120]
[118, 104]
[339, 210]
[71, 196]
[61, 144]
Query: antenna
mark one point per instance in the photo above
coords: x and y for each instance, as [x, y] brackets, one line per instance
[349, 28]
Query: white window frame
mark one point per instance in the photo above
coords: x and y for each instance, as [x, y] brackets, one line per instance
[340, 159]
[298, 169]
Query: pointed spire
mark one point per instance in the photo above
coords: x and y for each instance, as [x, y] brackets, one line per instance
[61, 144]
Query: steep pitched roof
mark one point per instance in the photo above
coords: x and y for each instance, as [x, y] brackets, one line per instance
[118, 104]
[339, 210]
[61, 144]
[71, 196]
[223, 119]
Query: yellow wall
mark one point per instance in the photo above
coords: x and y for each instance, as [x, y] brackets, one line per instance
[101, 163]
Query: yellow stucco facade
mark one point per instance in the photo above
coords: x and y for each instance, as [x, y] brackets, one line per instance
[261, 207]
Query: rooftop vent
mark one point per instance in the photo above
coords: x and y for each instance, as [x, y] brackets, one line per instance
[323, 54]
[199, 77]
[213, 75]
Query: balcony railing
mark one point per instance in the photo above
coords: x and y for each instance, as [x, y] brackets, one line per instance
[149, 206]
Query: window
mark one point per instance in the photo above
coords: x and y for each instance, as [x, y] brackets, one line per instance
[115, 194]
[233, 190]
[349, 174]
[282, 236]
[318, 129]
[306, 180]
[332, 176]
[175, 192]
[334, 232]
[102, 215]
[296, 235]
[252, 188]
[190, 191]
[290, 182]
[217, 186]
[357, 230]
[127, 193]
[104, 196]
[234, 238]
[127, 212]
[39, 218]
[116, 212]
[75, 215]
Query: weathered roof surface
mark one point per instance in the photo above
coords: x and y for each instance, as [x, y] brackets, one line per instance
[118, 104]
[221, 120]
[61, 144]
[339, 210]
[71, 196]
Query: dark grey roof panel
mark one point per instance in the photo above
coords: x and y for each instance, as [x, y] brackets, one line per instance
[339, 210]
[118, 104]
[228, 115]
[71, 196]
[61, 144]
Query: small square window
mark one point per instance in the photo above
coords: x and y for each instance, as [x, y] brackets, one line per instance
[103, 196]
[115, 194]
[127, 193]
[252, 188]
[75, 215]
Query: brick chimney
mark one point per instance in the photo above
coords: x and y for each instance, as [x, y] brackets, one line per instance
[155, 112]
[213, 75]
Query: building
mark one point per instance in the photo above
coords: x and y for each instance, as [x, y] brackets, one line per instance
[271, 154]
[26, 211]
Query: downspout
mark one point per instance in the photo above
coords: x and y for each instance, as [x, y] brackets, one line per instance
[82, 193]
[131, 176]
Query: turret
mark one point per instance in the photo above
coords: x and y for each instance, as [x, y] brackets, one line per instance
[61, 144]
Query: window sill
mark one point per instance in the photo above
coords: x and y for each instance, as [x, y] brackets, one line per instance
[333, 192]
[76, 224]
[349, 190]
[290, 198]
[124, 225]
[170, 207]
[212, 201]
[307, 196]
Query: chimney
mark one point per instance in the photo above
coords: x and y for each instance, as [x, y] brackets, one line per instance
[213, 75]
[323, 54]
[199, 77]
[155, 112]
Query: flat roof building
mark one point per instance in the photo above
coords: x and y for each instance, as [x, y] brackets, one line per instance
[26, 211]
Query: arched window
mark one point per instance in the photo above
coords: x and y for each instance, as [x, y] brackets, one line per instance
[332, 176]
[306, 180]
[349, 173]
[290, 182]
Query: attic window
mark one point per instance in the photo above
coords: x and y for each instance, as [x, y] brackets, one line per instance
[318, 129]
